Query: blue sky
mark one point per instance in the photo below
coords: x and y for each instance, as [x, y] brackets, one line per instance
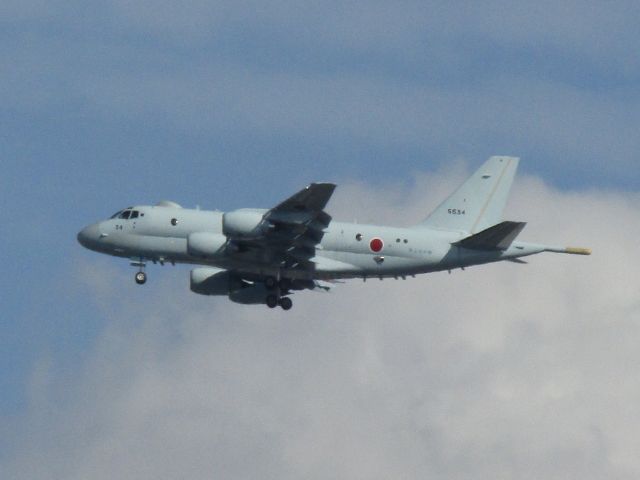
[230, 104]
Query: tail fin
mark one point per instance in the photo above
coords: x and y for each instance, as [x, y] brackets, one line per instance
[479, 202]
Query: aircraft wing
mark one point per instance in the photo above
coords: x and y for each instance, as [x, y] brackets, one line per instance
[295, 227]
[312, 198]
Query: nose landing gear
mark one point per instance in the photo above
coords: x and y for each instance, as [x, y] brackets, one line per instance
[140, 277]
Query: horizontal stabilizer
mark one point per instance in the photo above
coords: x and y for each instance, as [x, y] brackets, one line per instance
[498, 237]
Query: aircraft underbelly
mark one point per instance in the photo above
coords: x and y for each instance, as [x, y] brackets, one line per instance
[327, 264]
[369, 265]
[168, 247]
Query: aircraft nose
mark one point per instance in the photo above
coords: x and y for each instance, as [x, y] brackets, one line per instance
[89, 235]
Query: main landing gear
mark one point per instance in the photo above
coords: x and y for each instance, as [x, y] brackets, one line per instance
[273, 301]
[286, 303]
[278, 291]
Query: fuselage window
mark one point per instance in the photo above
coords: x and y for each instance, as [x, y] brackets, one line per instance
[174, 221]
[134, 214]
[358, 236]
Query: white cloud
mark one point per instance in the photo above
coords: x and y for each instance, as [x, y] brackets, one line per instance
[501, 371]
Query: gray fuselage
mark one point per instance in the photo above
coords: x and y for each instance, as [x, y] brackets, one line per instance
[347, 250]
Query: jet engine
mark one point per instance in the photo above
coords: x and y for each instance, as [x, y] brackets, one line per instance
[205, 244]
[250, 294]
[213, 281]
[216, 281]
[242, 223]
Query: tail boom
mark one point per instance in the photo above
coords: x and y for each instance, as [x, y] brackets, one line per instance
[570, 250]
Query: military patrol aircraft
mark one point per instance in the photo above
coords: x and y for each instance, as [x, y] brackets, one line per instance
[259, 256]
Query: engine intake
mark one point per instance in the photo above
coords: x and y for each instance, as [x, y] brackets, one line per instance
[205, 244]
[242, 223]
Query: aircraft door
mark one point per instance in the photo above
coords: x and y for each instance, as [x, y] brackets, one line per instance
[133, 219]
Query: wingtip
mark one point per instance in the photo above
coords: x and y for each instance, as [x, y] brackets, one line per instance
[322, 184]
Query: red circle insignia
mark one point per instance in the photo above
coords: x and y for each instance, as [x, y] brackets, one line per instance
[376, 244]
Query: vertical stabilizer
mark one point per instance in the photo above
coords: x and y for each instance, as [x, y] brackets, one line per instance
[479, 202]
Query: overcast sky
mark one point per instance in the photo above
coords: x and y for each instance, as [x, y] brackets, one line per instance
[502, 371]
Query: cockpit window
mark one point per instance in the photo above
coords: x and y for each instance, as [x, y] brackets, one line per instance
[127, 213]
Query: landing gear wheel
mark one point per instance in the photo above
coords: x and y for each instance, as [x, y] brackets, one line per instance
[141, 278]
[272, 301]
[270, 282]
[286, 303]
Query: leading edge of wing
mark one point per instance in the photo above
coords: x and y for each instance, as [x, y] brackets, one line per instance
[313, 198]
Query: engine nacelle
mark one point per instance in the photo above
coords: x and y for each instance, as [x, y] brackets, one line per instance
[242, 223]
[213, 281]
[205, 244]
[250, 294]
[216, 281]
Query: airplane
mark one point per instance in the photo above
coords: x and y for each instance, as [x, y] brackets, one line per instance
[263, 256]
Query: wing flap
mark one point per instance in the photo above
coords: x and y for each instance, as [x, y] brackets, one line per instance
[497, 237]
